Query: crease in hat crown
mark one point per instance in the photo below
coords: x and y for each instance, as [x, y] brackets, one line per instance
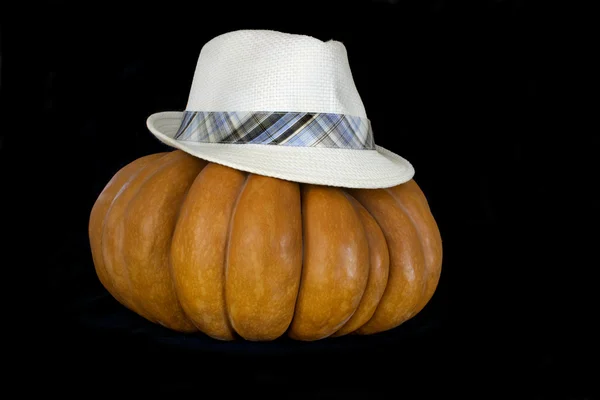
[280, 105]
[262, 70]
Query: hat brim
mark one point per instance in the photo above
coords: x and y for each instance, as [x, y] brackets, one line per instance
[366, 169]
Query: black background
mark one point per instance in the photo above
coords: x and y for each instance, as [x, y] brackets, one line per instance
[477, 95]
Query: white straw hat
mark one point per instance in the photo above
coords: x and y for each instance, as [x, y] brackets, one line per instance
[284, 106]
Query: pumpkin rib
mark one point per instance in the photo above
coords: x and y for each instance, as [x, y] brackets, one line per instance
[378, 270]
[411, 219]
[198, 250]
[170, 258]
[302, 259]
[420, 215]
[349, 198]
[123, 218]
[99, 212]
[131, 303]
[150, 273]
[227, 249]
[405, 281]
[263, 264]
[335, 264]
[182, 323]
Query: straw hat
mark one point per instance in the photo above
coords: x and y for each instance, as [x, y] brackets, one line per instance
[280, 105]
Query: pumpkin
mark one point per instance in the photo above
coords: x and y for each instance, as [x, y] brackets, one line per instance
[198, 246]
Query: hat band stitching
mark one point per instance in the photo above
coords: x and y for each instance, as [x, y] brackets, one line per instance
[300, 129]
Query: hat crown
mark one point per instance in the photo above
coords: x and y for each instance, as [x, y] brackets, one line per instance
[262, 70]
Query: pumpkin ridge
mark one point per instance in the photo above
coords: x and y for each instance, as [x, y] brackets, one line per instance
[199, 246]
[301, 187]
[133, 304]
[427, 232]
[227, 249]
[177, 157]
[405, 210]
[263, 265]
[334, 274]
[402, 292]
[351, 201]
[98, 253]
[374, 270]
[170, 262]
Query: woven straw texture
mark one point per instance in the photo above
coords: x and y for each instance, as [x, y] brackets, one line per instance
[267, 71]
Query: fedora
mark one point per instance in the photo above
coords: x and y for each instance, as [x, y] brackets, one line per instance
[280, 105]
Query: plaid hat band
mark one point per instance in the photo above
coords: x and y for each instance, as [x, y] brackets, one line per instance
[301, 129]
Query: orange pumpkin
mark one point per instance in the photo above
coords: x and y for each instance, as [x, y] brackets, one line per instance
[197, 246]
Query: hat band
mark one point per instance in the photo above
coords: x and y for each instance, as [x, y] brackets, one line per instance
[300, 129]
